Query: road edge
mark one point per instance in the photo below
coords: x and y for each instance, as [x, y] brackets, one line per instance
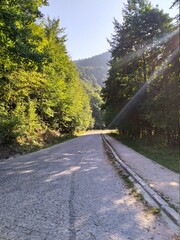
[164, 206]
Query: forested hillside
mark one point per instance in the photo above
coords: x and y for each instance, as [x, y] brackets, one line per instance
[141, 93]
[93, 73]
[94, 69]
[40, 89]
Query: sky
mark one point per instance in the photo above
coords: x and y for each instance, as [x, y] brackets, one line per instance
[89, 23]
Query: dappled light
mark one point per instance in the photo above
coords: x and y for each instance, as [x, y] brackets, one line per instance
[96, 196]
[161, 179]
[145, 220]
[174, 184]
[89, 169]
[124, 200]
[66, 172]
[62, 175]
[25, 171]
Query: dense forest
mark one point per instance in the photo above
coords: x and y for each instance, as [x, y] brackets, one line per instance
[141, 93]
[43, 91]
[93, 74]
[38, 80]
[94, 69]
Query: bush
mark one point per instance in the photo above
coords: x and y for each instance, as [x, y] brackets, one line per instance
[9, 129]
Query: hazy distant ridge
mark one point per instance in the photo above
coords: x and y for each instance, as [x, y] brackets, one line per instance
[94, 69]
[98, 60]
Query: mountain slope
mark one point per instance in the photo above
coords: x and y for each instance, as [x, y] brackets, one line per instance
[94, 69]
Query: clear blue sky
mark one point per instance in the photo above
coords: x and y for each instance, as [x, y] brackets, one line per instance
[88, 23]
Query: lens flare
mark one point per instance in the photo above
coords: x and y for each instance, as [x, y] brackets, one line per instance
[135, 99]
[140, 50]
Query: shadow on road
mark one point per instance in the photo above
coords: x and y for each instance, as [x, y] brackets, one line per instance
[70, 191]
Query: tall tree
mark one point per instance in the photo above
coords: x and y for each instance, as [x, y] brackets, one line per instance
[138, 48]
[61, 72]
[16, 38]
[39, 88]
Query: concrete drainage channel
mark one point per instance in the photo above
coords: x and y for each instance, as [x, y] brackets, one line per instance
[148, 193]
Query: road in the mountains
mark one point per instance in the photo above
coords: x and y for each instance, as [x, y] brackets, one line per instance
[71, 192]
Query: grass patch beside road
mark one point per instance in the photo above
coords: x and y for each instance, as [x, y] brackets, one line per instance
[165, 156]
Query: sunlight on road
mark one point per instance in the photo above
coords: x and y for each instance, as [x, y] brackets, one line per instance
[66, 172]
[106, 131]
[174, 184]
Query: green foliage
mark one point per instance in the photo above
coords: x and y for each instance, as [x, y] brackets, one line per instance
[39, 85]
[93, 73]
[9, 128]
[93, 91]
[155, 210]
[68, 106]
[138, 50]
[18, 43]
[94, 69]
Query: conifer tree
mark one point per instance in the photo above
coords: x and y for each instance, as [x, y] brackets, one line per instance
[139, 47]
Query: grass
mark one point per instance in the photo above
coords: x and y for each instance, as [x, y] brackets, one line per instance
[129, 183]
[165, 156]
[155, 210]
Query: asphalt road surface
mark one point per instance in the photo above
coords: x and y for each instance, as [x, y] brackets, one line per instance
[72, 192]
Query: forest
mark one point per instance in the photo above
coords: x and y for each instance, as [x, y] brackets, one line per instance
[43, 92]
[95, 68]
[93, 74]
[38, 80]
[141, 94]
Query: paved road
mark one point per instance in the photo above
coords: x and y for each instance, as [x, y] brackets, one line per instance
[161, 179]
[71, 192]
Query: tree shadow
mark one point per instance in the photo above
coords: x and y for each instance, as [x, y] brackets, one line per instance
[70, 191]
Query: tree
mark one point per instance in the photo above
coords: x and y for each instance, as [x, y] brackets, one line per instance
[16, 38]
[41, 89]
[138, 48]
[65, 84]
[174, 4]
